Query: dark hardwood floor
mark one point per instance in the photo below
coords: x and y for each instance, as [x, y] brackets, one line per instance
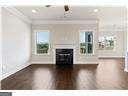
[108, 74]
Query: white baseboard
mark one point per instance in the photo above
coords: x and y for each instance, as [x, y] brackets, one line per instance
[17, 68]
[87, 63]
[41, 62]
[74, 63]
[111, 57]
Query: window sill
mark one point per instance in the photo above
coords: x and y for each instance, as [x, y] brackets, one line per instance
[42, 54]
[87, 54]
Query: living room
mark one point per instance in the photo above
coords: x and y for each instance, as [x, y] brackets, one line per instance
[64, 47]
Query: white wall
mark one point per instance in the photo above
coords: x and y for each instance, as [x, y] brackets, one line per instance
[114, 26]
[65, 34]
[71, 32]
[15, 43]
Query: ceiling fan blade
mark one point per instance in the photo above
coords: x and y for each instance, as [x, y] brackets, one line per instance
[66, 8]
[47, 5]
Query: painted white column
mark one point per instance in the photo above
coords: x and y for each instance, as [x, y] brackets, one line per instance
[126, 55]
[0, 46]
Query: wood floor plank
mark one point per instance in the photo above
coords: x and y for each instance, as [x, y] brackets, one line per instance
[108, 74]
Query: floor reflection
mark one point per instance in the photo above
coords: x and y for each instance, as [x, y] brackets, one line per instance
[64, 78]
[86, 79]
[108, 74]
[45, 77]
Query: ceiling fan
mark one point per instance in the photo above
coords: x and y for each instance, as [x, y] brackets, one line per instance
[66, 7]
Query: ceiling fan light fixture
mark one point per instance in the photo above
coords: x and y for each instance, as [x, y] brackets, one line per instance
[66, 8]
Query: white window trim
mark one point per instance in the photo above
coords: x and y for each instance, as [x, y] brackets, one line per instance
[114, 49]
[35, 41]
[87, 54]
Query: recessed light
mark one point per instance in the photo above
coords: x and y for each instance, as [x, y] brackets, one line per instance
[34, 11]
[95, 10]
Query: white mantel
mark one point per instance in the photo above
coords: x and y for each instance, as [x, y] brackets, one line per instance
[64, 46]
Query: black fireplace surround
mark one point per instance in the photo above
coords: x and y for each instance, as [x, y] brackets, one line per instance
[64, 56]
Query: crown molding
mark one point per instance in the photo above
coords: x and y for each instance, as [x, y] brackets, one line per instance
[39, 22]
[18, 14]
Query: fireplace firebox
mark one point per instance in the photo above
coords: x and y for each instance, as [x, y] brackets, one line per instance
[64, 56]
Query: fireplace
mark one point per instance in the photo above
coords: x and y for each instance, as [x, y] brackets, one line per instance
[64, 56]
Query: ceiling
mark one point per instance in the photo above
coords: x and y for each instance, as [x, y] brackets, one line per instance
[75, 13]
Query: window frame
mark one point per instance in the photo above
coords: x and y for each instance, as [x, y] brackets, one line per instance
[87, 54]
[114, 39]
[35, 39]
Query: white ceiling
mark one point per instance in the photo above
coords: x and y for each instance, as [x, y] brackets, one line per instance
[75, 13]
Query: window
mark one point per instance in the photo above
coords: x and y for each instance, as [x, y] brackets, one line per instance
[106, 43]
[42, 42]
[86, 42]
